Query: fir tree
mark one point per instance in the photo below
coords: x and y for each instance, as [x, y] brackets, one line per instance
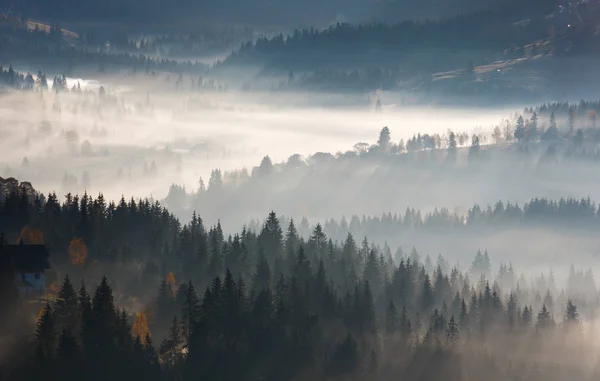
[544, 319]
[67, 306]
[190, 314]
[262, 275]
[571, 316]
[452, 333]
[391, 324]
[45, 332]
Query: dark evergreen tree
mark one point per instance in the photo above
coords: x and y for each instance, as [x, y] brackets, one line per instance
[190, 314]
[544, 319]
[46, 333]
[452, 333]
[262, 275]
[571, 315]
[67, 307]
[391, 323]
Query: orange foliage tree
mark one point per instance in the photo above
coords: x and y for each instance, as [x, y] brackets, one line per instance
[140, 326]
[170, 281]
[77, 251]
[31, 236]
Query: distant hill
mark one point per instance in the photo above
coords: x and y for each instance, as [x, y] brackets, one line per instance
[457, 53]
[494, 30]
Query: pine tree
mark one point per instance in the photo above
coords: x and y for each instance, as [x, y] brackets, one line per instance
[452, 333]
[302, 270]
[520, 130]
[533, 132]
[292, 242]
[464, 315]
[67, 306]
[475, 148]
[368, 309]
[262, 275]
[526, 317]
[405, 326]
[391, 323]
[372, 271]
[511, 310]
[190, 314]
[317, 243]
[45, 332]
[384, 138]
[103, 307]
[270, 239]
[451, 156]
[170, 349]
[456, 305]
[544, 319]
[571, 316]
[426, 295]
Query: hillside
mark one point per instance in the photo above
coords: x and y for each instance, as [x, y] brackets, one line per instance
[509, 51]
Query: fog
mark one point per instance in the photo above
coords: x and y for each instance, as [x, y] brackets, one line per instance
[188, 135]
[338, 190]
[142, 137]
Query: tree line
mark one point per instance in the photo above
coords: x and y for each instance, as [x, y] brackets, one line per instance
[315, 309]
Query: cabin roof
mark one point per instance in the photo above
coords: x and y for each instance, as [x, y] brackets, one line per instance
[26, 258]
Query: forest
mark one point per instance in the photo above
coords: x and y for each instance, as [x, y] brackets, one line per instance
[360, 190]
[274, 304]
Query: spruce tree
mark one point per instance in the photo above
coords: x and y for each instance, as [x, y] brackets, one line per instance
[571, 316]
[464, 315]
[170, 349]
[262, 275]
[67, 306]
[526, 317]
[302, 269]
[368, 309]
[190, 314]
[391, 323]
[292, 242]
[452, 333]
[544, 319]
[45, 332]
[405, 326]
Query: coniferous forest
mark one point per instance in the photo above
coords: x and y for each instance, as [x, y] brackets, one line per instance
[348, 190]
[135, 293]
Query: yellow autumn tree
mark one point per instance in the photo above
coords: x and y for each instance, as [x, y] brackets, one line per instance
[170, 281]
[77, 251]
[31, 236]
[140, 326]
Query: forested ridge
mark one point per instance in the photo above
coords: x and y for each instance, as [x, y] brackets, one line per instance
[552, 141]
[446, 252]
[274, 305]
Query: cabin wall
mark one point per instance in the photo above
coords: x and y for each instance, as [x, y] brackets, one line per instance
[31, 282]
